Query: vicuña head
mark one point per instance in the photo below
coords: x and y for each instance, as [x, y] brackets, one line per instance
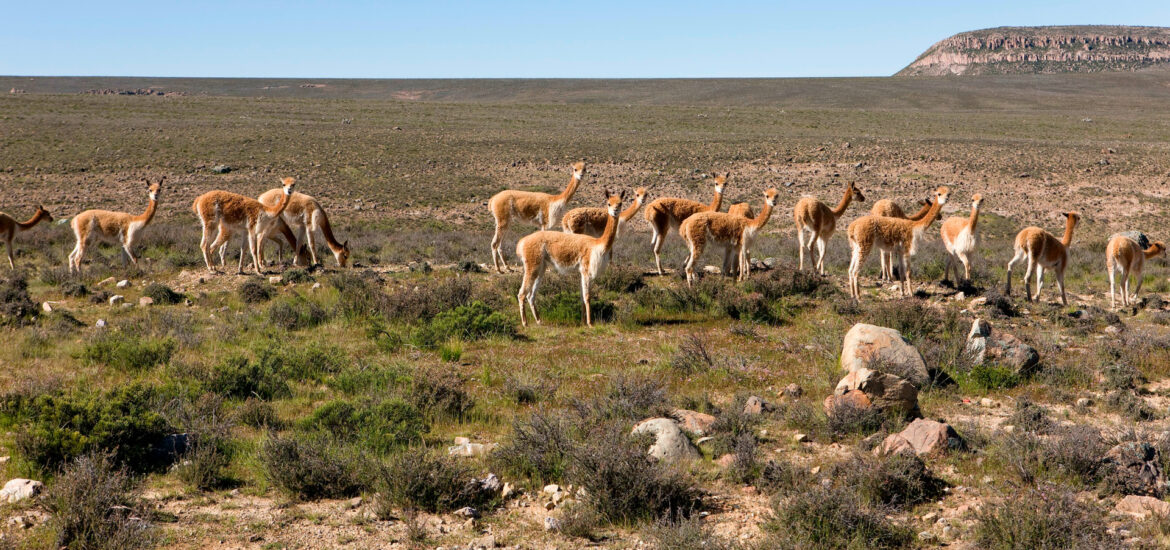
[153, 188]
[721, 181]
[614, 202]
[942, 194]
[640, 195]
[976, 200]
[287, 184]
[857, 195]
[578, 169]
[770, 196]
[43, 214]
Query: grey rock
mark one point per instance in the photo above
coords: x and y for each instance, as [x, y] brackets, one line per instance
[670, 444]
[19, 489]
[985, 345]
[882, 349]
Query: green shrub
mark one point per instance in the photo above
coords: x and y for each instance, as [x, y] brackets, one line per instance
[451, 352]
[55, 429]
[162, 294]
[439, 392]
[834, 519]
[566, 308]
[126, 351]
[357, 297]
[297, 276]
[95, 505]
[311, 361]
[296, 313]
[422, 480]
[255, 292]
[74, 290]
[16, 307]
[311, 468]
[378, 426]
[468, 323]
[916, 319]
[367, 379]
[538, 447]
[620, 279]
[899, 481]
[993, 377]
[209, 448]
[237, 376]
[626, 398]
[622, 485]
[1046, 518]
[257, 414]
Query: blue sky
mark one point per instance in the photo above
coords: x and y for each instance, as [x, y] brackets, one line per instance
[428, 39]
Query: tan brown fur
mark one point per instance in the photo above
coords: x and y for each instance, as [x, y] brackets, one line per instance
[729, 231]
[1042, 250]
[542, 209]
[304, 217]
[113, 227]
[890, 209]
[1124, 255]
[566, 251]
[591, 220]
[668, 213]
[229, 212]
[820, 222]
[960, 237]
[895, 235]
[9, 226]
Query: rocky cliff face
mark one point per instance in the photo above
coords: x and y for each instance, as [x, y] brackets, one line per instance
[1045, 50]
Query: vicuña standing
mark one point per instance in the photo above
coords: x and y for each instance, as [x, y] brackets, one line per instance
[112, 227]
[1126, 253]
[730, 232]
[1043, 250]
[591, 220]
[890, 209]
[820, 222]
[668, 213]
[897, 236]
[305, 217]
[960, 236]
[566, 251]
[542, 209]
[230, 212]
[9, 226]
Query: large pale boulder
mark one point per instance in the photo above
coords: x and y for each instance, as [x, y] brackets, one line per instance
[885, 391]
[883, 349]
[670, 443]
[19, 489]
[986, 345]
[921, 437]
[693, 421]
[1143, 506]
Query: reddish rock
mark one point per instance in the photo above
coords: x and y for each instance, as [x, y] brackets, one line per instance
[921, 437]
[854, 398]
[1143, 506]
[693, 421]
[885, 391]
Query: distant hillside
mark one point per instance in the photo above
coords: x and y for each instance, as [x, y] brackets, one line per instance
[1045, 50]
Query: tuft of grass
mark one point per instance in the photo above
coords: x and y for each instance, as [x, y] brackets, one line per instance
[1048, 517]
[422, 480]
[162, 294]
[315, 467]
[255, 292]
[127, 352]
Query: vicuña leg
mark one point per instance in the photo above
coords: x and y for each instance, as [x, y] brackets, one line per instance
[1020, 254]
[585, 298]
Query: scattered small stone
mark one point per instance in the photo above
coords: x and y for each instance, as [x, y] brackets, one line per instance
[124, 283]
[145, 301]
[551, 489]
[47, 307]
[467, 512]
[552, 524]
[507, 491]
[353, 502]
[316, 286]
[1084, 403]
[276, 280]
[801, 438]
[221, 169]
[101, 323]
[792, 391]
[117, 299]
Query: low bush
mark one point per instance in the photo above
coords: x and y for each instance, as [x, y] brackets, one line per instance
[626, 398]
[1030, 417]
[379, 426]
[255, 292]
[297, 276]
[296, 313]
[357, 296]
[54, 429]
[834, 519]
[237, 376]
[620, 279]
[782, 477]
[311, 468]
[916, 319]
[1130, 405]
[692, 356]
[900, 481]
[128, 352]
[1049, 517]
[16, 307]
[849, 419]
[1076, 451]
[538, 447]
[424, 302]
[681, 533]
[74, 290]
[623, 485]
[258, 414]
[432, 482]
[440, 392]
[209, 448]
[162, 294]
[993, 377]
[526, 388]
[732, 423]
[468, 323]
[96, 505]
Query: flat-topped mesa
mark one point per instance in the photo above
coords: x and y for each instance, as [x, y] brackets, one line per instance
[1045, 50]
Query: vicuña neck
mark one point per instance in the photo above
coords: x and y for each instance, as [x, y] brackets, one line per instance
[1068, 231]
[630, 212]
[327, 230]
[570, 189]
[931, 215]
[763, 217]
[280, 206]
[148, 215]
[717, 201]
[974, 221]
[1152, 251]
[845, 200]
[606, 238]
[921, 212]
[33, 221]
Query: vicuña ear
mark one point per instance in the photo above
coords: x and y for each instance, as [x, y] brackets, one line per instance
[345, 244]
